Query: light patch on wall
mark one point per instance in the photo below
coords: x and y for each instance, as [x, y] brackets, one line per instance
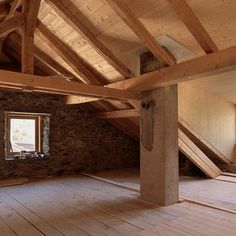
[179, 51]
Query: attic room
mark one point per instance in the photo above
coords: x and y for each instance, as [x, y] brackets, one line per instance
[118, 117]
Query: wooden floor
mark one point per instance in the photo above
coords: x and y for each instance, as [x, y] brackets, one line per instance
[220, 192]
[84, 206]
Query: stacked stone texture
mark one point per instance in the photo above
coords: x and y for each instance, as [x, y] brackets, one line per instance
[78, 141]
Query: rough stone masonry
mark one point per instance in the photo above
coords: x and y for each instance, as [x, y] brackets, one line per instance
[77, 140]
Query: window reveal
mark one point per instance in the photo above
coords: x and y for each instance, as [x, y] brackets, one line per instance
[26, 135]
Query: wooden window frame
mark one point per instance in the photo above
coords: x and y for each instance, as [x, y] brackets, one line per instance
[37, 130]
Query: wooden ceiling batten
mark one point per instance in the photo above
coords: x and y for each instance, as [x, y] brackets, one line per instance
[121, 8]
[191, 21]
[75, 23]
[30, 11]
[118, 114]
[87, 73]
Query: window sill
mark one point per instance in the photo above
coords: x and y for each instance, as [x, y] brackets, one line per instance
[29, 156]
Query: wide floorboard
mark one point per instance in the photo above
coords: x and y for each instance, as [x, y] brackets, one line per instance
[80, 205]
[220, 192]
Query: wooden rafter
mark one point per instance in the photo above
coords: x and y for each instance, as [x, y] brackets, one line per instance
[87, 73]
[70, 100]
[217, 62]
[14, 5]
[48, 60]
[70, 57]
[45, 58]
[11, 24]
[210, 64]
[194, 25]
[30, 11]
[60, 86]
[121, 8]
[130, 128]
[117, 114]
[75, 23]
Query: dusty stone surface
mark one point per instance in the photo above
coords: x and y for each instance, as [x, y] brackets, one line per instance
[78, 141]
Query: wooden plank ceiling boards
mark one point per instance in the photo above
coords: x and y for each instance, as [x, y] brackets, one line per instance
[121, 8]
[76, 38]
[87, 73]
[98, 45]
[194, 25]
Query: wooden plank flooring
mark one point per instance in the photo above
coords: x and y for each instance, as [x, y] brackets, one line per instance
[220, 192]
[80, 205]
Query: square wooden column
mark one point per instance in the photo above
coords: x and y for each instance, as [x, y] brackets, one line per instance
[159, 168]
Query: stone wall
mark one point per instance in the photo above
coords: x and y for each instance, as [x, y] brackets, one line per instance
[78, 141]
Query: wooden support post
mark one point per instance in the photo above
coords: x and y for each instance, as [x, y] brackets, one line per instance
[159, 146]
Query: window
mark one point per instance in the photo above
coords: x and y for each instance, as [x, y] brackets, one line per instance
[23, 133]
[26, 135]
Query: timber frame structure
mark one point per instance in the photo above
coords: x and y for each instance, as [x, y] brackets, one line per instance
[21, 24]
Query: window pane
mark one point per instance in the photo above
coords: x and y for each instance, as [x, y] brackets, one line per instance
[22, 135]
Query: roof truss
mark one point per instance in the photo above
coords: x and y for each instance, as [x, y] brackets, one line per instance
[11, 24]
[122, 9]
[66, 15]
[87, 73]
[30, 11]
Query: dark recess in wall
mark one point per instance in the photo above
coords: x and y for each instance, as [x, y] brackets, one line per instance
[78, 141]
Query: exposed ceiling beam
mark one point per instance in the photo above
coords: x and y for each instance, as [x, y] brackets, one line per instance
[71, 100]
[191, 21]
[45, 58]
[13, 52]
[121, 8]
[54, 85]
[14, 6]
[117, 114]
[217, 62]
[11, 24]
[78, 25]
[69, 56]
[128, 127]
[48, 60]
[87, 73]
[30, 11]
